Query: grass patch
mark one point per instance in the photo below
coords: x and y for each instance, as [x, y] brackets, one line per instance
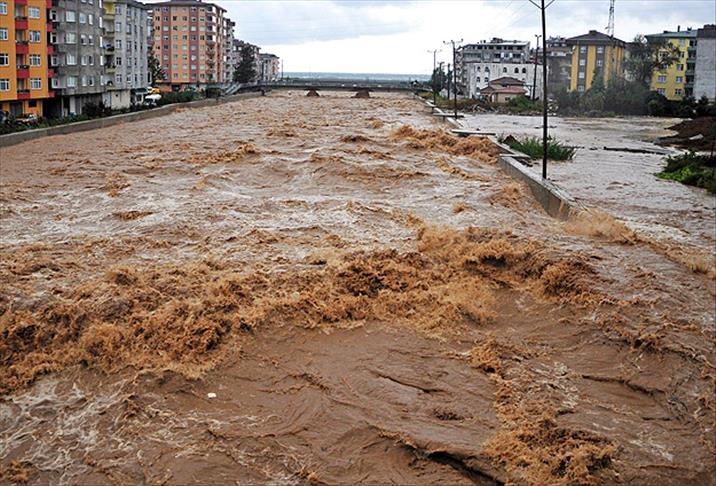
[691, 169]
[532, 146]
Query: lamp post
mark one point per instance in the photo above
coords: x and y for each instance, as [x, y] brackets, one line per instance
[454, 72]
[432, 78]
[534, 80]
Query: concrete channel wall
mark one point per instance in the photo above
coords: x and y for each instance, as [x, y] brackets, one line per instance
[19, 137]
[555, 200]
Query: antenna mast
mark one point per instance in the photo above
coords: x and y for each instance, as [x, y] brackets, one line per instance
[610, 27]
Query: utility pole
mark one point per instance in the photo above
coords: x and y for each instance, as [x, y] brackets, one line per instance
[454, 72]
[543, 8]
[432, 78]
[534, 80]
[442, 76]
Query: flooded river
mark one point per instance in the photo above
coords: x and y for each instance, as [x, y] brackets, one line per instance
[295, 290]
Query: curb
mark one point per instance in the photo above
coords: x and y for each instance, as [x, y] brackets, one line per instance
[554, 200]
[19, 137]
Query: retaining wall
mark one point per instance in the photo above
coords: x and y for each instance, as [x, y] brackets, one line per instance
[19, 137]
[555, 200]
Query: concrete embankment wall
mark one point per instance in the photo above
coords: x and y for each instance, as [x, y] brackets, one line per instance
[555, 200]
[19, 137]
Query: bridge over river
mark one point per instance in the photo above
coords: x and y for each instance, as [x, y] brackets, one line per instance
[330, 85]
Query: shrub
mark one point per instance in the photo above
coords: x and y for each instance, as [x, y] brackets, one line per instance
[532, 146]
[691, 169]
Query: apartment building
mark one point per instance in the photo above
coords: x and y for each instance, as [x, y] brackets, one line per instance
[479, 64]
[559, 63]
[189, 41]
[270, 67]
[238, 47]
[595, 54]
[127, 28]
[24, 56]
[78, 61]
[677, 80]
[705, 66]
[228, 52]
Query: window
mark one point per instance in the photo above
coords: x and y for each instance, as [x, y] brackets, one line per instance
[83, 60]
[661, 79]
[90, 81]
[4, 59]
[682, 42]
[661, 91]
[70, 16]
[678, 92]
[582, 62]
[3, 34]
[90, 40]
[33, 12]
[35, 36]
[118, 43]
[600, 62]
[118, 26]
[70, 59]
[83, 18]
[83, 39]
[583, 50]
[524, 70]
[581, 75]
[118, 10]
[35, 59]
[4, 83]
[84, 80]
[71, 81]
[477, 79]
[90, 19]
[680, 67]
[3, 11]
[54, 60]
[35, 83]
[679, 79]
[580, 89]
[118, 79]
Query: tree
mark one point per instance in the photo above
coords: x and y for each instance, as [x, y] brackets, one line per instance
[155, 68]
[246, 70]
[645, 57]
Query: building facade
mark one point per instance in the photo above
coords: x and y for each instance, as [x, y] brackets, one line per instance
[559, 64]
[677, 80]
[188, 39]
[270, 67]
[486, 54]
[705, 66]
[78, 57]
[227, 48]
[25, 72]
[127, 29]
[238, 49]
[595, 55]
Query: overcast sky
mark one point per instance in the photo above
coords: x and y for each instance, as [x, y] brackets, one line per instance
[373, 36]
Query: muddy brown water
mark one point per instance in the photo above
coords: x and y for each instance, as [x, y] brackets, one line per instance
[332, 290]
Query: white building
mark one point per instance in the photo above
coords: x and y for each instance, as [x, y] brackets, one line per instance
[704, 78]
[479, 75]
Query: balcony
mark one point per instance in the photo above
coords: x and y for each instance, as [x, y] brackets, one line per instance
[21, 23]
[23, 94]
[49, 27]
[20, 2]
[23, 72]
[50, 73]
[51, 94]
[22, 47]
[50, 49]
[49, 4]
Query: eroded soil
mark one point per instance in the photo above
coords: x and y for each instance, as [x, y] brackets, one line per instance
[333, 290]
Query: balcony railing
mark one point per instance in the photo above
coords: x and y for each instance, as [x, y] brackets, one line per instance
[50, 49]
[23, 73]
[50, 73]
[22, 47]
[21, 23]
[23, 94]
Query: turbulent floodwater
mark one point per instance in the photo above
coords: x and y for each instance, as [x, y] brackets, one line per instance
[334, 290]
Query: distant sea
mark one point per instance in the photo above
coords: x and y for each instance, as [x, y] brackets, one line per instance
[359, 76]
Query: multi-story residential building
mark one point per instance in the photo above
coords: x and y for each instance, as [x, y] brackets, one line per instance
[478, 64]
[238, 47]
[705, 68]
[78, 40]
[188, 39]
[24, 50]
[676, 81]
[127, 29]
[593, 55]
[559, 63]
[227, 43]
[485, 53]
[270, 67]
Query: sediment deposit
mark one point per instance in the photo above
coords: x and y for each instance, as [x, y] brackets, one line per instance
[334, 290]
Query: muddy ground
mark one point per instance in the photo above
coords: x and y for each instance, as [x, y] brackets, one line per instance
[333, 290]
